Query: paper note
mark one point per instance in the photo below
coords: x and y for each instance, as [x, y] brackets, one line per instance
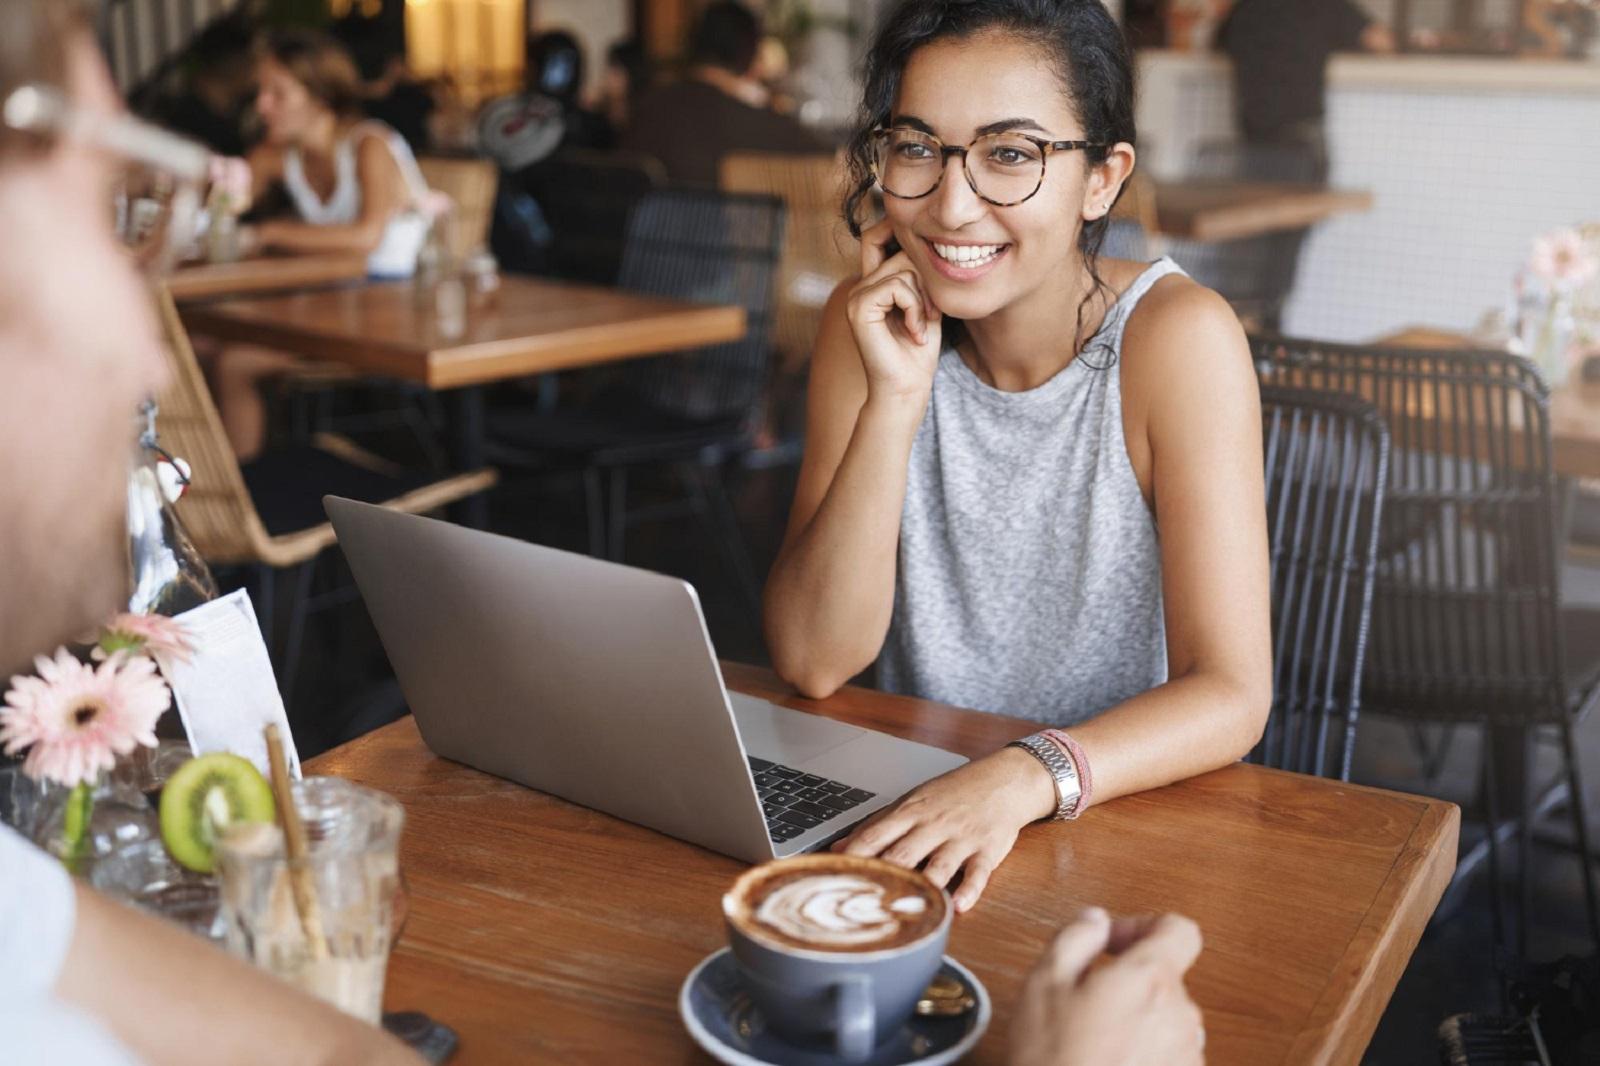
[227, 693]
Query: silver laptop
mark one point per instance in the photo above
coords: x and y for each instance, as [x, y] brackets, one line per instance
[597, 683]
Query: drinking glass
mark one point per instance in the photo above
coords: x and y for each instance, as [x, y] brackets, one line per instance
[144, 874]
[352, 872]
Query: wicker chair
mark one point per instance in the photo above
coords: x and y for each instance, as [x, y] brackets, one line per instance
[1327, 458]
[1466, 622]
[470, 184]
[818, 252]
[267, 515]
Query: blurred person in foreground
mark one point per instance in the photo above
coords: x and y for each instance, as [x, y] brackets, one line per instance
[721, 106]
[1280, 51]
[84, 980]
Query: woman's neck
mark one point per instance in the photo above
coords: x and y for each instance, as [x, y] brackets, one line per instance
[1034, 338]
[322, 136]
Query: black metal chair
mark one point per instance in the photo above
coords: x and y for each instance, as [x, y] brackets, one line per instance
[1467, 625]
[1327, 459]
[695, 412]
[1488, 1040]
[1254, 274]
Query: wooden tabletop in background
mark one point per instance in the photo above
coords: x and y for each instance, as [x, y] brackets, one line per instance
[545, 932]
[1228, 210]
[1574, 405]
[529, 326]
[264, 274]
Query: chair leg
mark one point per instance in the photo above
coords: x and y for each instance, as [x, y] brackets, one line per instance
[594, 503]
[1580, 825]
[261, 597]
[618, 516]
[1492, 804]
[730, 536]
[298, 607]
[1525, 859]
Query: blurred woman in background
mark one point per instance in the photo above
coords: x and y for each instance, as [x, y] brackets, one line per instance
[353, 183]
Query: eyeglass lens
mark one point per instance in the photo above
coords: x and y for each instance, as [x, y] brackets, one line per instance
[1004, 168]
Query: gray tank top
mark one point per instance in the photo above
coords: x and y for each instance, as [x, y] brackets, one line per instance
[1029, 575]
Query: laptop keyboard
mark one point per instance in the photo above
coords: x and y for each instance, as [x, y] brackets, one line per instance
[794, 801]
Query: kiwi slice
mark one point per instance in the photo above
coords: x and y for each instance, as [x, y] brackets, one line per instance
[206, 796]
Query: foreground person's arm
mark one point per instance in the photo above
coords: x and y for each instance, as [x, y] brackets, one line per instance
[172, 999]
[1130, 1010]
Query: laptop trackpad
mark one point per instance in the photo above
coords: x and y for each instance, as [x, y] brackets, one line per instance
[782, 735]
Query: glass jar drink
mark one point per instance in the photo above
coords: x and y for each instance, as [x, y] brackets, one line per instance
[350, 877]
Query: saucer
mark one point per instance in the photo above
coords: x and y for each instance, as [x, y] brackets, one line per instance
[722, 1020]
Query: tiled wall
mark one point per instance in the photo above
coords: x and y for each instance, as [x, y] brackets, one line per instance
[1463, 179]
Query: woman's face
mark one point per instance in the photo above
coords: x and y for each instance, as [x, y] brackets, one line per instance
[957, 90]
[286, 106]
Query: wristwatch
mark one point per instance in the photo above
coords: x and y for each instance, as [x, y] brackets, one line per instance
[1069, 788]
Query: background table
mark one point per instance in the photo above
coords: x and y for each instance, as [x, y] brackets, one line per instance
[264, 274]
[1205, 210]
[1574, 405]
[529, 326]
[546, 932]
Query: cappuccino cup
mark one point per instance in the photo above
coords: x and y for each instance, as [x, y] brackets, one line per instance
[835, 950]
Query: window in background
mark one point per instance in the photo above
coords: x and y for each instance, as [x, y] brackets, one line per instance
[475, 45]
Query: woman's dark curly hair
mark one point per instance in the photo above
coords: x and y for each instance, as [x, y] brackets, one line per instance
[1089, 53]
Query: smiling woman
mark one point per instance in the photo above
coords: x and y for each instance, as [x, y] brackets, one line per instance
[1032, 482]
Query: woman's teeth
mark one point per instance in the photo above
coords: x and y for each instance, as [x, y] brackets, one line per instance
[968, 255]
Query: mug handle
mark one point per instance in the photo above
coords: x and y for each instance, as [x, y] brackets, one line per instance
[854, 1020]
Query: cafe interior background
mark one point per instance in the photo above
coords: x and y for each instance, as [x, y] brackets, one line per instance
[1458, 162]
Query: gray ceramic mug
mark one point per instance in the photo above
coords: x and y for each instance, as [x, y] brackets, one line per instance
[842, 1002]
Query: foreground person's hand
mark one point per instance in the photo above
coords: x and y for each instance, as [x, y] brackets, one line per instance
[963, 822]
[1131, 1010]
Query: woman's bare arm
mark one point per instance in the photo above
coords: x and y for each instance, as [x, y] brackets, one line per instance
[383, 195]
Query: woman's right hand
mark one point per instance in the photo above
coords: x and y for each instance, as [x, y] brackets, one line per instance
[896, 326]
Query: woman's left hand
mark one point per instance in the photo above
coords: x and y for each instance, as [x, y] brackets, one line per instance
[965, 821]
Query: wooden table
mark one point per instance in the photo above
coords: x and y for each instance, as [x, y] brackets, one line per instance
[1574, 406]
[1229, 210]
[546, 932]
[264, 274]
[529, 326]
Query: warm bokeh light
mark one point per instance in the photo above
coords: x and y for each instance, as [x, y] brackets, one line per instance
[476, 44]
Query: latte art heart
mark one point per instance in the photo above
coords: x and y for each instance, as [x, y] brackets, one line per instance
[837, 910]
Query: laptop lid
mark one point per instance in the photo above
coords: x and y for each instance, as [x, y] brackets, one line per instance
[586, 679]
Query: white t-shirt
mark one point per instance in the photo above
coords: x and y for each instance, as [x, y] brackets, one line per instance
[37, 912]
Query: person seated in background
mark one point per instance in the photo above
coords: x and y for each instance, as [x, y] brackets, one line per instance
[353, 182]
[625, 77]
[84, 980]
[555, 69]
[211, 105]
[721, 106]
[1280, 51]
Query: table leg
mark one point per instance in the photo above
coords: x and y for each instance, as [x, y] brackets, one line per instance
[468, 432]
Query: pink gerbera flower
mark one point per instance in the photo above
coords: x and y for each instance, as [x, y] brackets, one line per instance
[75, 719]
[152, 634]
[1562, 259]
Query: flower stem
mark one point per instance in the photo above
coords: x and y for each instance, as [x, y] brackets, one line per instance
[75, 826]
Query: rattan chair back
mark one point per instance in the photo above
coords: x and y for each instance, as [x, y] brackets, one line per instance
[1327, 459]
[818, 251]
[216, 510]
[1465, 621]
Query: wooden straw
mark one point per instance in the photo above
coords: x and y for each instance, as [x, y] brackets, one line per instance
[294, 838]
